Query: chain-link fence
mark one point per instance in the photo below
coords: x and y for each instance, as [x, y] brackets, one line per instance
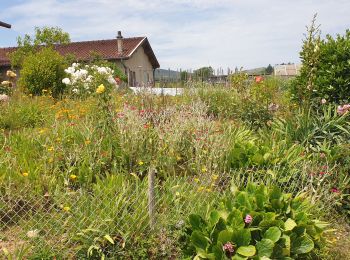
[112, 216]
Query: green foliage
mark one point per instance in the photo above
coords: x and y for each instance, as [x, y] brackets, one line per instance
[43, 71]
[312, 129]
[203, 74]
[45, 36]
[50, 36]
[303, 86]
[325, 68]
[332, 77]
[280, 227]
[269, 69]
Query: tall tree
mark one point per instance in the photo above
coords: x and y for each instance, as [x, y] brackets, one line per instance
[45, 36]
[203, 73]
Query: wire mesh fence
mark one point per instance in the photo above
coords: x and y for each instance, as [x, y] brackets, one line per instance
[101, 220]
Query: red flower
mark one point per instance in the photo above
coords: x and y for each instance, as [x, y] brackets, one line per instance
[259, 79]
[322, 173]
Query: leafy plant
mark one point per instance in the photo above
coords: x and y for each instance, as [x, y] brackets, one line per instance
[43, 72]
[258, 222]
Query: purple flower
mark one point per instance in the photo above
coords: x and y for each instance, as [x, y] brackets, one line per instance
[229, 249]
[248, 219]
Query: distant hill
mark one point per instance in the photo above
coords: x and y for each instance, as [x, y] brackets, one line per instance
[256, 71]
[166, 75]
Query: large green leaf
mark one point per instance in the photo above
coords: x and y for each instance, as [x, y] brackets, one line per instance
[289, 224]
[265, 247]
[302, 245]
[225, 236]
[241, 237]
[214, 217]
[242, 199]
[217, 251]
[247, 250]
[273, 233]
[195, 221]
[199, 240]
[276, 193]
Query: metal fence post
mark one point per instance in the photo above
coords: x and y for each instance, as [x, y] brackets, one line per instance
[151, 197]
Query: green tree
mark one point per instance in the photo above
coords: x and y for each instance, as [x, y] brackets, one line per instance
[45, 36]
[43, 71]
[203, 73]
[269, 69]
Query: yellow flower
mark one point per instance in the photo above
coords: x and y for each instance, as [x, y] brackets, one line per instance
[177, 194]
[215, 177]
[204, 169]
[87, 141]
[100, 89]
[196, 180]
[25, 174]
[178, 158]
[66, 208]
[50, 160]
[201, 188]
[50, 149]
[73, 177]
[141, 163]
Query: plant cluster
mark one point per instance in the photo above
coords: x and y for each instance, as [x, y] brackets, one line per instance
[258, 222]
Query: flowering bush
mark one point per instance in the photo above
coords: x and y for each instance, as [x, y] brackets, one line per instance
[258, 222]
[83, 79]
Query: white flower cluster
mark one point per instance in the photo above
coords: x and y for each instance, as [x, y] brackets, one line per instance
[82, 79]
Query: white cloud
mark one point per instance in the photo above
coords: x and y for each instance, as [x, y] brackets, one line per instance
[192, 33]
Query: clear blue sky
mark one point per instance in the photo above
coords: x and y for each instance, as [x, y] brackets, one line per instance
[186, 33]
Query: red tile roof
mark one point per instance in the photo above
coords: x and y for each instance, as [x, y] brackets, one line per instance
[108, 49]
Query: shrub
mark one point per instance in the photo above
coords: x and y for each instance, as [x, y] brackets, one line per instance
[256, 222]
[43, 71]
[325, 68]
[332, 80]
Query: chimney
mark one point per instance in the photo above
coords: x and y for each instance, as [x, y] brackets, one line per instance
[120, 42]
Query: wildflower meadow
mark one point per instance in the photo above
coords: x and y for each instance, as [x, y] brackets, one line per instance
[256, 168]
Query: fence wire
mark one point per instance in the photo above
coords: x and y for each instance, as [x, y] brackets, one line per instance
[105, 218]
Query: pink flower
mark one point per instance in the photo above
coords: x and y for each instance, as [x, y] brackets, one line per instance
[229, 249]
[335, 190]
[248, 219]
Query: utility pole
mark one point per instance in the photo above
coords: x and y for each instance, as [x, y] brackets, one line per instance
[6, 25]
